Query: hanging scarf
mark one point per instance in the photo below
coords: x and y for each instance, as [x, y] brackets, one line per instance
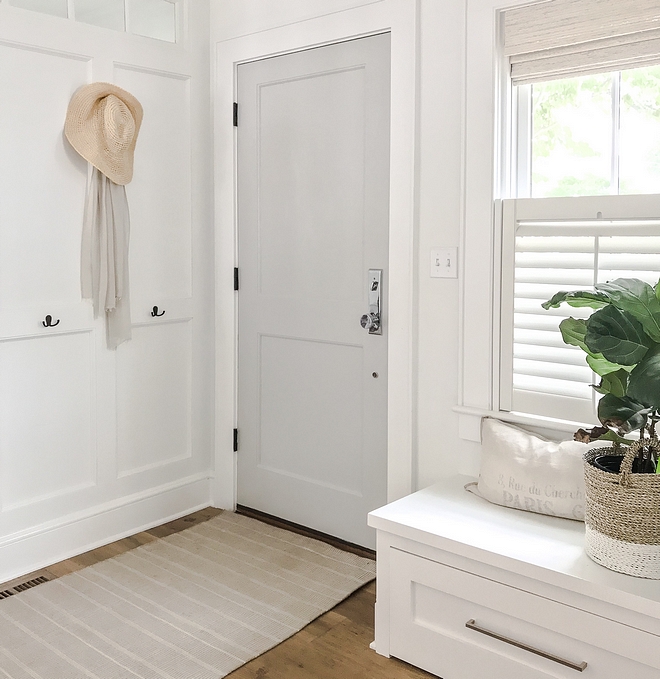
[104, 273]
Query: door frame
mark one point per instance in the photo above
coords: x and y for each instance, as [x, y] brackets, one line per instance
[399, 18]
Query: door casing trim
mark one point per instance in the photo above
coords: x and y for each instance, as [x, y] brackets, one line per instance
[399, 18]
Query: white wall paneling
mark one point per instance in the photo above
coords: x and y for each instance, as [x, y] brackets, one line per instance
[160, 193]
[96, 444]
[295, 26]
[47, 417]
[153, 431]
[42, 178]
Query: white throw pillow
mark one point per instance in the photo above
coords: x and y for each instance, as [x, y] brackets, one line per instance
[526, 471]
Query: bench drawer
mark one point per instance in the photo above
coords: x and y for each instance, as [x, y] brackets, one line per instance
[441, 620]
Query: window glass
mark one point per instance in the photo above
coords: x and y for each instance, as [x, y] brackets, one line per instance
[153, 19]
[639, 146]
[57, 8]
[571, 145]
[105, 13]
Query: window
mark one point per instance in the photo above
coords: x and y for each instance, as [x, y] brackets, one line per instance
[564, 244]
[150, 18]
[592, 135]
[587, 179]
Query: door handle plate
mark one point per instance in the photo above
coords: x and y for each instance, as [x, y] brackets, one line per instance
[372, 320]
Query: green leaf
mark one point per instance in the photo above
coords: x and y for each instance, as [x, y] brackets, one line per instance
[617, 335]
[622, 414]
[657, 290]
[573, 331]
[644, 385]
[613, 436]
[601, 366]
[638, 299]
[578, 298]
[614, 383]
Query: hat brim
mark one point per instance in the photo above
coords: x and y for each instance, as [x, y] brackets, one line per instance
[82, 129]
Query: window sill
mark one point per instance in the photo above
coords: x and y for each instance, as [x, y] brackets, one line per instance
[469, 423]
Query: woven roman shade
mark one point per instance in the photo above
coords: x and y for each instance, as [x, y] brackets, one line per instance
[564, 38]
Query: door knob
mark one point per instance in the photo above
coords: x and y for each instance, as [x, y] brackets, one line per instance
[370, 322]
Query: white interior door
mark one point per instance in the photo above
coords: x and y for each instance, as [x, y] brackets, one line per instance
[313, 206]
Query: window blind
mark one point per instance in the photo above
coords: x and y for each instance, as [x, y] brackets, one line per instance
[545, 376]
[563, 38]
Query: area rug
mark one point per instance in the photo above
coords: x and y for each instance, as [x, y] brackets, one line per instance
[194, 605]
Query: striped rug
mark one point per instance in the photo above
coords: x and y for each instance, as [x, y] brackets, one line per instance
[194, 605]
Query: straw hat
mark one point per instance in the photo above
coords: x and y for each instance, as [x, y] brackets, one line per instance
[102, 124]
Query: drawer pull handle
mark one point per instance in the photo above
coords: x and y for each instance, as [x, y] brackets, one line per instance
[580, 667]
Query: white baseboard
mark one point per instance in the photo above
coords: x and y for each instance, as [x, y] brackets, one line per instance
[68, 536]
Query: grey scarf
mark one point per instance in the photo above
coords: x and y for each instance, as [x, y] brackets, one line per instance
[104, 274]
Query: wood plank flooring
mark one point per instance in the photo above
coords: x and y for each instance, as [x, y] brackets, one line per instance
[334, 645]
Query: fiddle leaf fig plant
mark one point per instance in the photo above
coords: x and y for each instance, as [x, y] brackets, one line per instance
[621, 340]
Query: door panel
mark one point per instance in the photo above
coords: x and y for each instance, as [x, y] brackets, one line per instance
[324, 381]
[328, 232]
[313, 202]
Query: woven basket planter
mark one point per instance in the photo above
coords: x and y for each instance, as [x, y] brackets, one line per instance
[622, 515]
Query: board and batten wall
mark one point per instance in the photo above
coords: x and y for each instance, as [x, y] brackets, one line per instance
[98, 444]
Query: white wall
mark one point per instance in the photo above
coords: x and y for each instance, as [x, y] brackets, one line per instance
[452, 135]
[442, 66]
[234, 18]
[97, 444]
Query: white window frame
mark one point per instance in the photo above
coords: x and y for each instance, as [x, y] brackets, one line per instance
[488, 116]
[614, 212]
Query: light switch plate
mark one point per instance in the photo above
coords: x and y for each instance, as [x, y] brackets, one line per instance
[444, 262]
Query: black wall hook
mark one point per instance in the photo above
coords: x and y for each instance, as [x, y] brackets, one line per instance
[48, 322]
[154, 312]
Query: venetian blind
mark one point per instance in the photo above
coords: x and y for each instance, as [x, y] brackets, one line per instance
[543, 375]
[562, 38]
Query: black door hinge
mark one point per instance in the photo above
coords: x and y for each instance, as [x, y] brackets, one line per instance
[235, 114]
[235, 440]
[235, 278]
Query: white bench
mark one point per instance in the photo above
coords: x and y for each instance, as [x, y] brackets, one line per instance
[453, 569]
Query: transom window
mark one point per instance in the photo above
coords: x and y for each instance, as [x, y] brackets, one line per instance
[150, 18]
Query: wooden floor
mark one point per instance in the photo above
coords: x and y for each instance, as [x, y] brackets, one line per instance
[334, 645]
